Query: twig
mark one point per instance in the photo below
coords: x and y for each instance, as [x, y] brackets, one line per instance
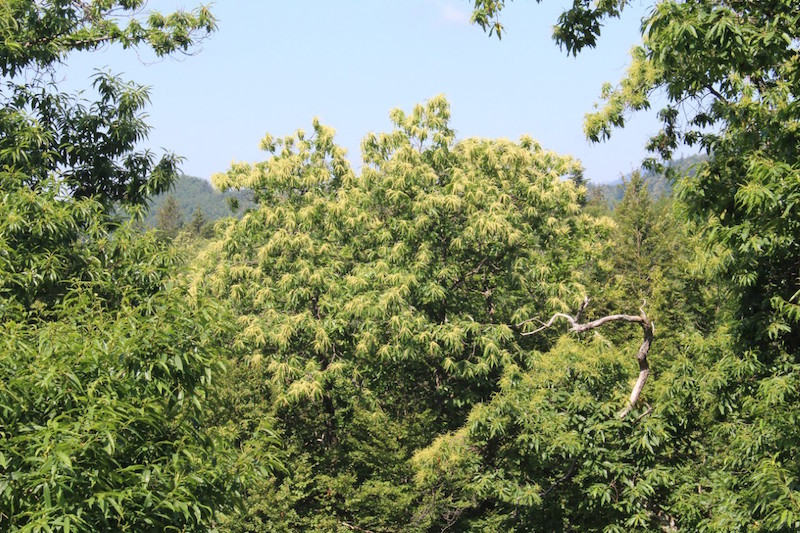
[647, 412]
[563, 478]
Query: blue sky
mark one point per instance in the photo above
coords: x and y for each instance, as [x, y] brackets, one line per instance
[273, 66]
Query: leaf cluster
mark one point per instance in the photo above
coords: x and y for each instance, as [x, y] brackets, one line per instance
[40, 34]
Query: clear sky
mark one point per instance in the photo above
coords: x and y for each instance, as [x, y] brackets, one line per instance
[273, 66]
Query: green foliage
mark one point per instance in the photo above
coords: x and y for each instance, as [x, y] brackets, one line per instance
[42, 244]
[578, 27]
[39, 34]
[383, 305]
[636, 252]
[741, 68]
[109, 366]
[200, 226]
[729, 72]
[88, 145]
[378, 327]
[741, 64]
[547, 453]
[101, 418]
[486, 15]
[241, 414]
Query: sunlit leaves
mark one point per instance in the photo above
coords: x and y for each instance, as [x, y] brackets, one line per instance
[578, 27]
[392, 293]
[633, 94]
[547, 435]
[89, 146]
[109, 367]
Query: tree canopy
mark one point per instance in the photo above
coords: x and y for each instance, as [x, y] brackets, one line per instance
[389, 300]
[454, 337]
[89, 145]
[729, 72]
[110, 368]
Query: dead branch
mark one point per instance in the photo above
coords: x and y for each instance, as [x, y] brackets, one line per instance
[351, 527]
[641, 354]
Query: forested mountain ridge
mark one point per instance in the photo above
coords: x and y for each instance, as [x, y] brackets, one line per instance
[192, 194]
[658, 183]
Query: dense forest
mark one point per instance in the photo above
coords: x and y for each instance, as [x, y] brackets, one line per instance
[461, 336]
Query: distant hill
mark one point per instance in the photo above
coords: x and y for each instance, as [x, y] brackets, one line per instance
[193, 193]
[658, 184]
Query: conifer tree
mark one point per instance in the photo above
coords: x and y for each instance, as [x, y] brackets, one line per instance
[169, 219]
[198, 225]
[635, 218]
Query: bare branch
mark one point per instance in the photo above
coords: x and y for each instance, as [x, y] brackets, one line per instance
[645, 413]
[641, 354]
[547, 324]
[472, 272]
[717, 94]
[580, 328]
[582, 308]
[351, 527]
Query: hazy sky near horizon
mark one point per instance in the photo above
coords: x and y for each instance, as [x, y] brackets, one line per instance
[273, 66]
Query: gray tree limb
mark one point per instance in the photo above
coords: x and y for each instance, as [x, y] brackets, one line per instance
[641, 354]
